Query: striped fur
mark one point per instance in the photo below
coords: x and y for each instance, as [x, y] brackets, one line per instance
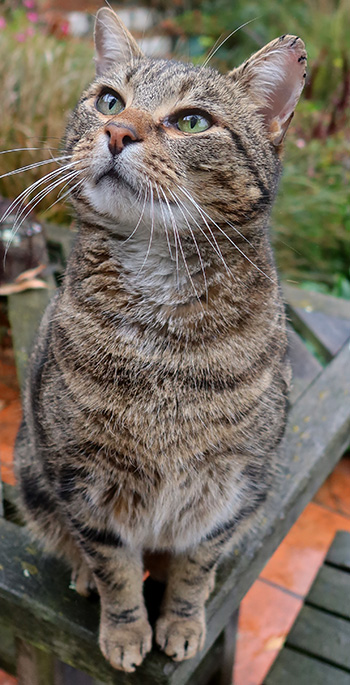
[157, 390]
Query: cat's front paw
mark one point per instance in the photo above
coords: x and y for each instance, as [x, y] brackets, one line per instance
[181, 638]
[125, 646]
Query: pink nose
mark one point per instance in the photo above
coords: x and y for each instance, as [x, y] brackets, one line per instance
[119, 136]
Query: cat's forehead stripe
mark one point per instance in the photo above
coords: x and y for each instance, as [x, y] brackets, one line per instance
[156, 81]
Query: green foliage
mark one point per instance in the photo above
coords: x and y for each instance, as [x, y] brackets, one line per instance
[312, 212]
[41, 78]
[311, 219]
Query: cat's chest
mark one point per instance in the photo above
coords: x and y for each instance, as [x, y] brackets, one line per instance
[176, 510]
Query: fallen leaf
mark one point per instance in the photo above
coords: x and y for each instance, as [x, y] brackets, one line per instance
[31, 284]
[273, 643]
[30, 273]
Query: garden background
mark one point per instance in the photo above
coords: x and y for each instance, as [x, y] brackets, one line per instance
[46, 58]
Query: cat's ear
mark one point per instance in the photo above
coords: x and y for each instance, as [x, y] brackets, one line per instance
[274, 78]
[113, 42]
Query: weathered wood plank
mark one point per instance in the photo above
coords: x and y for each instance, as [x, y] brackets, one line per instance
[305, 366]
[11, 511]
[331, 591]
[322, 635]
[67, 623]
[50, 615]
[323, 319]
[329, 333]
[25, 311]
[293, 667]
[66, 675]
[63, 236]
[339, 551]
[313, 301]
[225, 672]
[1, 498]
[205, 674]
[7, 647]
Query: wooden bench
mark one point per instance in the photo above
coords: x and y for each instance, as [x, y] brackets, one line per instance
[48, 633]
[317, 649]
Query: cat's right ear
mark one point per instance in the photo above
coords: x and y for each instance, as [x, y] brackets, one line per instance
[273, 78]
[113, 42]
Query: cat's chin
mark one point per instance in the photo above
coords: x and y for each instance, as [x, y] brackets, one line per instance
[113, 197]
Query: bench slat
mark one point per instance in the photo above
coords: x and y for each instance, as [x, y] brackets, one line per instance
[331, 591]
[7, 647]
[25, 311]
[293, 667]
[339, 551]
[305, 366]
[323, 319]
[52, 616]
[322, 635]
[333, 306]
[62, 236]
[329, 333]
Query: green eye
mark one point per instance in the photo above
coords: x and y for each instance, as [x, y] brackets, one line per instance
[193, 123]
[109, 103]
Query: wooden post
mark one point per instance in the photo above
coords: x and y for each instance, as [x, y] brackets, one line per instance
[224, 674]
[230, 632]
[38, 667]
[34, 666]
[67, 675]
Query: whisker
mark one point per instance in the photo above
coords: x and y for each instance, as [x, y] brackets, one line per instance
[172, 219]
[195, 243]
[236, 246]
[164, 222]
[216, 246]
[29, 208]
[27, 191]
[42, 193]
[35, 165]
[139, 221]
[61, 197]
[213, 52]
[19, 149]
[151, 234]
[243, 254]
[240, 234]
[182, 251]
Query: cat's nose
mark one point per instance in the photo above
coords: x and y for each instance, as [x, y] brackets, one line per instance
[119, 136]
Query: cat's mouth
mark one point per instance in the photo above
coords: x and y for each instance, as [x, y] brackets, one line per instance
[110, 173]
[115, 176]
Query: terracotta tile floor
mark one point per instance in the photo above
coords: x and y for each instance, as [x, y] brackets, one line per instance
[271, 605]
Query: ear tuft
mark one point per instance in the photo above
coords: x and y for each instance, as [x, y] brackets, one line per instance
[113, 42]
[274, 78]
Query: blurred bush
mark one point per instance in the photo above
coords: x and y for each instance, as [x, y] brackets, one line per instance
[42, 75]
[311, 218]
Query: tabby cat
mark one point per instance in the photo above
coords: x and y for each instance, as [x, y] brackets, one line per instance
[157, 390]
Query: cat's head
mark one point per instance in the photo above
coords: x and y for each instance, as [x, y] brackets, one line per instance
[178, 138]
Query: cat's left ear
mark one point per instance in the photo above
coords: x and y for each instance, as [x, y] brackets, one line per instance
[113, 42]
[274, 78]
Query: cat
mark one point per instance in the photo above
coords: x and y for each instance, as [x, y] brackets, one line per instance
[157, 389]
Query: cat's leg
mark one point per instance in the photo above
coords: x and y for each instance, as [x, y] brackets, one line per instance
[82, 580]
[125, 633]
[181, 628]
